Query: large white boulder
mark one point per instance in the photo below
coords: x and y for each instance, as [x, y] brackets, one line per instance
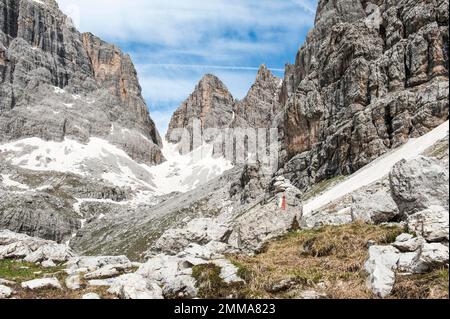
[407, 263]
[161, 268]
[101, 282]
[419, 184]
[408, 243]
[182, 286]
[212, 250]
[199, 231]
[52, 251]
[255, 226]
[135, 286]
[89, 264]
[374, 206]
[107, 271]
[5, 292]
[381, 266]
[433, 256]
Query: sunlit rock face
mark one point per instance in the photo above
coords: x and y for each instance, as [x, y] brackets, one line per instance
[370, 76]
[211, 104]
[56, 82]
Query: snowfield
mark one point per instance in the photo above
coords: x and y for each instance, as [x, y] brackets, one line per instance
[378, 169]
[101, 159]
[183, 173]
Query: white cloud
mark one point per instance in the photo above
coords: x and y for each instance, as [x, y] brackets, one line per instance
[175, 22]
[174, 86]
[174, 42]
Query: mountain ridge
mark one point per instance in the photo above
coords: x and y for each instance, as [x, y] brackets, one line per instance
[369, 88]
[48, 66]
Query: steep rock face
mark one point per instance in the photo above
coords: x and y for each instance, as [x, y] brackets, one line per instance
[369, 77]
[259, 108]
[215, 108]
[211, 104]
[57, 83]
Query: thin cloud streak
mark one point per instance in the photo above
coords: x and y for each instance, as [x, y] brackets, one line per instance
[173, 43]
[200, 66]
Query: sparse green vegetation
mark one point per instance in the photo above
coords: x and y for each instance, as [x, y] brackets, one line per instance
[329, 260]
[211, 286]
[19, 271]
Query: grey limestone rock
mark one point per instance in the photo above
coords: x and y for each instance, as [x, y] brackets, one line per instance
[370, 76]
[57, 83]
[419, 184]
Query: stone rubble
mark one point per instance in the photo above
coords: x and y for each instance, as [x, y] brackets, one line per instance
[30, 249]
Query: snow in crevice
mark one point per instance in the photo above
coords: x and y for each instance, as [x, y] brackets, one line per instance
[8, 182]
[378, 169]
[182, 173]
[100, 159]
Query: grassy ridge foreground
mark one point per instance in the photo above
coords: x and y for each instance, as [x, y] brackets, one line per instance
[327, 262]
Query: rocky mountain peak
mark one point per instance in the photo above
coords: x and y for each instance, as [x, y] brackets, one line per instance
[369, 76]
[57, 83]
[211, 103]
[263, 73]
[260, 105]
[211, 81]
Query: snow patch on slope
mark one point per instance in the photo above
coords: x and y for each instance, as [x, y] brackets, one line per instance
[8, 182]
[101, 159]
[378, 169]
[183, 173]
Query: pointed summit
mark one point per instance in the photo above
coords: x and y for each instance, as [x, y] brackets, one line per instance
[259, 107]
[265, 75]
[211, 83]
[211, 103]
[263, 72]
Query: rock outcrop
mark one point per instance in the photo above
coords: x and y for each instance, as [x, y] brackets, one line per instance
[211, 104]
[260, 106]
[370, 76]
[419, 184]
[420, 189]
[374, 205]
[44, 283]
[56, 83]
[31, 249]
[215, 109]
[161, 276]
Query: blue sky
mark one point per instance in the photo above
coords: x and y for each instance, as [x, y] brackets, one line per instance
[173, 43]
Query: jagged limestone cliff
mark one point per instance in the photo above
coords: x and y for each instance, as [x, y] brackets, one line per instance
[370, 76]
[57, 83]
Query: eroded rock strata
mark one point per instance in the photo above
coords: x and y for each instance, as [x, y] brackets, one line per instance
[57, 83]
